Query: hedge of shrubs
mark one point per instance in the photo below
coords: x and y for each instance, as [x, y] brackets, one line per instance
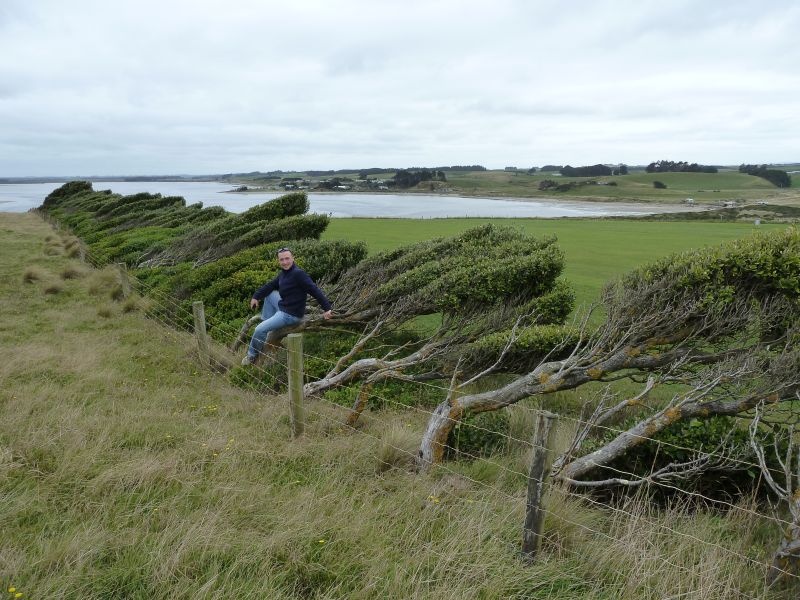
[194, 253]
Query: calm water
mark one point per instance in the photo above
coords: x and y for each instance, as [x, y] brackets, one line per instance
[21, 197]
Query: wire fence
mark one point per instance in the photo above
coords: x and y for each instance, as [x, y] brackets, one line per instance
[265, 378]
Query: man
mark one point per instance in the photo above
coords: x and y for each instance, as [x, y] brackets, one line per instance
[284, 302]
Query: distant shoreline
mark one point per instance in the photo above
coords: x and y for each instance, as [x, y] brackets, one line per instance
[572, 201]
[605, 203]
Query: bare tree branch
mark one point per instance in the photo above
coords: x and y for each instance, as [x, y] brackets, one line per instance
[511, 339]
[786, 557]
[357, 347]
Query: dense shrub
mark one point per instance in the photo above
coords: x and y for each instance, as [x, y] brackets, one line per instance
[65, 191]
[484, 265]
[232, 233]
[130, 246]
[762, 264]
[532, 345]
[489, 281]
[288, 205]
[139, 228]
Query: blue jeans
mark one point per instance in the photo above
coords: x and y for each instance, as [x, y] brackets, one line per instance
[272, 319]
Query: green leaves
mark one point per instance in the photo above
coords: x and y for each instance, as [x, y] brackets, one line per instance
[484, 266]
[288, 205]
[762, 263]
[531, 345]
[701, 286]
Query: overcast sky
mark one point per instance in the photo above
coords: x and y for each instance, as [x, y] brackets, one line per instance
[98, 87]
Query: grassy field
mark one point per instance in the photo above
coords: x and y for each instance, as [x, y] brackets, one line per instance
[596, 250]
[704, 188]
[127, 471]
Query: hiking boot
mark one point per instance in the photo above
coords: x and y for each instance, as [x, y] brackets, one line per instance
[248, 360]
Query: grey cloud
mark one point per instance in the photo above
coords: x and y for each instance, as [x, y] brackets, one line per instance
[261, 85]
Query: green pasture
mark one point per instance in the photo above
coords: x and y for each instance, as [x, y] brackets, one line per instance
[638, 185]
[704, 188]
[596, 250]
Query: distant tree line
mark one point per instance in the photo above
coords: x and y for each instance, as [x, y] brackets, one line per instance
[669, 166]
[776, 177]
[462, 168]
[589, 171]
[592, 171]
[405, 178]
[586, 171]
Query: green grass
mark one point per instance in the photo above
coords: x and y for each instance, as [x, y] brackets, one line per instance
[127, 471]
[638, 185]
[727, 184]
[596, 250]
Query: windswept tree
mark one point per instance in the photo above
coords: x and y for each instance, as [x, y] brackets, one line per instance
[283, 218]
[478, 290]
[718, 326]
[193, 253]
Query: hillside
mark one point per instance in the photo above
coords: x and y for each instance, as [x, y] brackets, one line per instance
[704, 188]
[130, 472]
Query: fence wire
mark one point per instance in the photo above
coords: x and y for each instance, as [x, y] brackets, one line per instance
[181, 317]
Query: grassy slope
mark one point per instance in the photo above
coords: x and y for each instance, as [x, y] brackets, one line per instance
[638, 185]
[128, 472]
[596, 250]
[705, 188]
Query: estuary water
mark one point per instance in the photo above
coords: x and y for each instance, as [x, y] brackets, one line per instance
[20, 197]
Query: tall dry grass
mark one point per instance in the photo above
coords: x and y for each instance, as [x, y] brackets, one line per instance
[129, 471]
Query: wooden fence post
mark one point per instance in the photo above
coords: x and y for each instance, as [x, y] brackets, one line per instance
[123, 279]
[294, 344]
[200, 332]
[540, 466]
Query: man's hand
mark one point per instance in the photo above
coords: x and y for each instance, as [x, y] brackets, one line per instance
[327, 314]
[253, 303]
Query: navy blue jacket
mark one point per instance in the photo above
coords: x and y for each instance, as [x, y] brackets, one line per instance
[293, 284]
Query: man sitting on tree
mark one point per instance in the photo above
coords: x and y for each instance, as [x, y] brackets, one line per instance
[284, 302]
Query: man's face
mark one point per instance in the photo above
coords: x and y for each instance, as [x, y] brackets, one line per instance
[285, 260]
